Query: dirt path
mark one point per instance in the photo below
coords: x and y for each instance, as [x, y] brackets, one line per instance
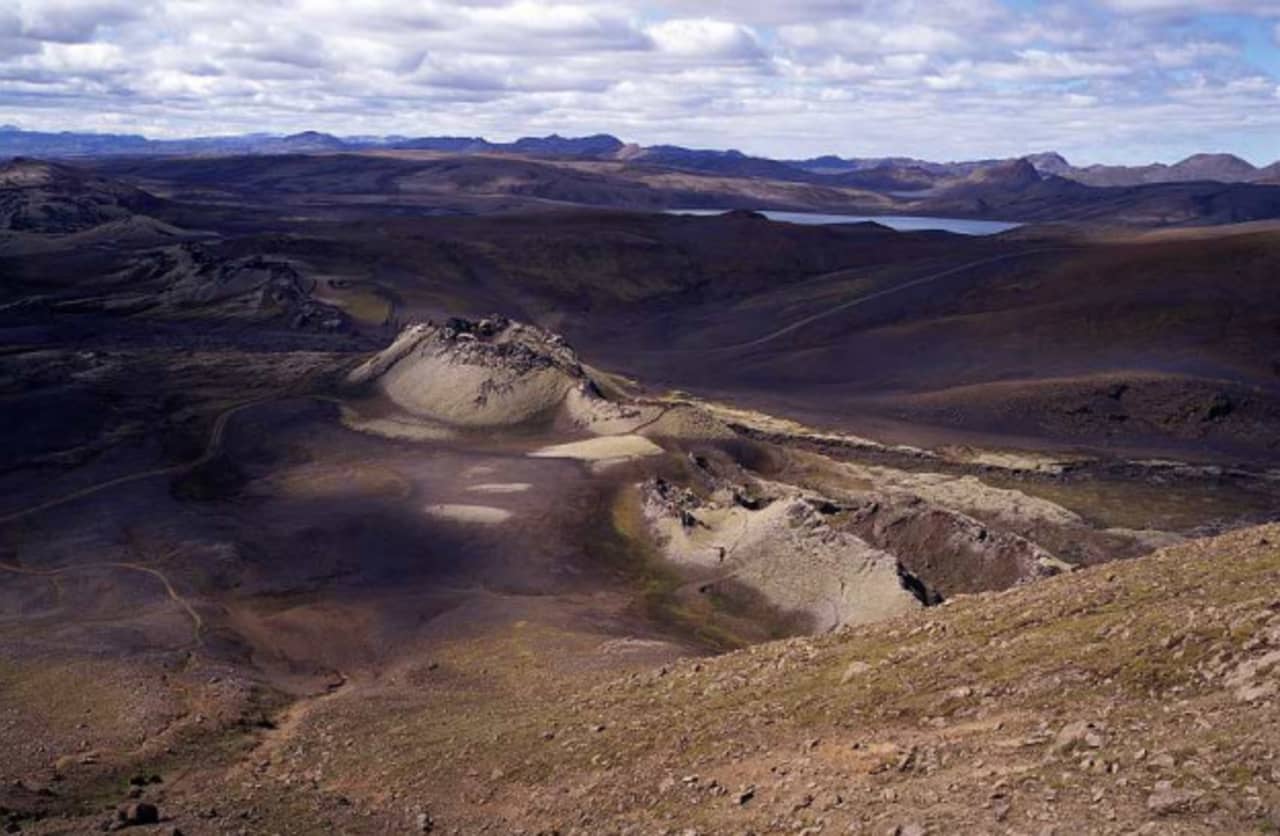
[285, 727]
[197, 622]
[879, 294]
[212, 448]
[649, 423]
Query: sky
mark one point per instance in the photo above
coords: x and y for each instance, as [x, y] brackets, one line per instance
[1101, 81]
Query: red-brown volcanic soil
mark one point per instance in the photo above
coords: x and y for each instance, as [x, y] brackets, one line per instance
[209, 576]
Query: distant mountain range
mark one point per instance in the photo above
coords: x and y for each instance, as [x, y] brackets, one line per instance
[885, 174]
[74, 195]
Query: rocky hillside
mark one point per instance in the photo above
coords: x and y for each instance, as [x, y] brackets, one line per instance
[483, 373]
[45, 197]
[1133, 697]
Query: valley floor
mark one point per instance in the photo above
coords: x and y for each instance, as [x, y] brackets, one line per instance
[301, 628]
[1134, 697]
[1008, 563]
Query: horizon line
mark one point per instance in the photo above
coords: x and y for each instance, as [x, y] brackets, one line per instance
[14, 128]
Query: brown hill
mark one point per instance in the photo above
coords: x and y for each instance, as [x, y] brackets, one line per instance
[406, 180]
[418, 182]
[1027, 340]
[1222, 168]
[46, 197]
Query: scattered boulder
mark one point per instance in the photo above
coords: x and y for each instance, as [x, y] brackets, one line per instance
[856, 669]
[1078, 735]
[138, 813]
[1166, 799]
[1254, 680]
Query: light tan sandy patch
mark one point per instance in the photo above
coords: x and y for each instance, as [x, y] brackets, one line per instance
[607, 448]
[501, 487]
[481, 514]
[401, 429]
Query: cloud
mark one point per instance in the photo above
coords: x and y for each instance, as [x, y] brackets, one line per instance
[866, 36]
[1190, 54]
[856, 76]
[525, 24]
[1260, 8]
[292, 47]
[73, 21]
[705, 37]
[1037, 64]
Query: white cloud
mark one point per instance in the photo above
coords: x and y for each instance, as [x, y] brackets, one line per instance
[522, 24]
[835, 68]
[957, 77]
[906, 63]
[851, 36]
[1038, 64]
[78, 58]
[705, 37]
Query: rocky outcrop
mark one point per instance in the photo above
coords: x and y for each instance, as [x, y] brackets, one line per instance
[780, 544]
[494, 372]
[950, 552]
[472, 374]
[825, 545]
[259, 288]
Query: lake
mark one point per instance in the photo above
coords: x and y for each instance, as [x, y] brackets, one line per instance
[902, 223]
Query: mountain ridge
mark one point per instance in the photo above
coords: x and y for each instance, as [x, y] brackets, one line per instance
[888, 172]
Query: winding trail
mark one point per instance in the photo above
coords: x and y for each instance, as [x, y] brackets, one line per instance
[214, 445]
[644, 425]
[197, 623]
[879, 294]
[860, 300]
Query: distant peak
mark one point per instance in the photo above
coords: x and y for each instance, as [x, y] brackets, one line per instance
[594, 144]
[313, 138]
[1019, 171]
[1213, 156]
[1222, 161]
[1049, 162]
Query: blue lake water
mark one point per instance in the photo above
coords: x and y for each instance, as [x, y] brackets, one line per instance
[902, 223]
